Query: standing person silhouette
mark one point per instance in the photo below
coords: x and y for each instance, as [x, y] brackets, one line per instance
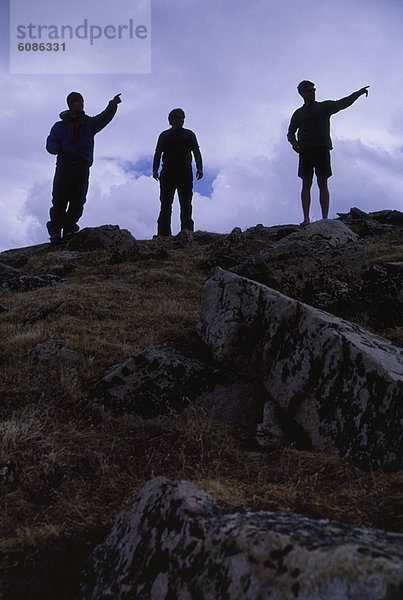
[176, 146]
[72, 140]
[312, 122]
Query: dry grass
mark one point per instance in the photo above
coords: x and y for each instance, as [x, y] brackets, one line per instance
[78, 469]
[389, 249]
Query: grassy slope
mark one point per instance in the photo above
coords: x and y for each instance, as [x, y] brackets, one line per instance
[109, 313]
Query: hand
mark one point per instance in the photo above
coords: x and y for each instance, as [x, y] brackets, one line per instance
[364, 90]
[295, 146]
[155, 175]
[117, 99]
[199, 174]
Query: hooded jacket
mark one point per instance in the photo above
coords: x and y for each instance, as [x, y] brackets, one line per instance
[73, 139]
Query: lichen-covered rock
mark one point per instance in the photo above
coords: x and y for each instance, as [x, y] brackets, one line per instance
[329, 242]
[175, 541]
[158, 380]
[105, 237]
[15, 281]
[342, 384]
[55, 354]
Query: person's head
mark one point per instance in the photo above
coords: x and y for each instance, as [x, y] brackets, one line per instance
[176, 118]
[307, 90]
[75, 102]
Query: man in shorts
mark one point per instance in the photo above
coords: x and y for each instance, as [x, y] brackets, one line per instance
[312, 121]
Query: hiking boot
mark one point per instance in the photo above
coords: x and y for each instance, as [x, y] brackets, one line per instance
[55, 239]
[67, 235]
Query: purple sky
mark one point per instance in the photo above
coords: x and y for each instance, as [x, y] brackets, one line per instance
[233, 67]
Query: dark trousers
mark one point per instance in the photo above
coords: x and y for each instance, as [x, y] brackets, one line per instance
[168, 185]
[70, 186]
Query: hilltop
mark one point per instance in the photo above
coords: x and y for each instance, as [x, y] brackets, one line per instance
[71, 312]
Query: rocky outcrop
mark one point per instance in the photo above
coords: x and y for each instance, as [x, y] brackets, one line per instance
[175, 541]
[169, 379]
[328, 241]
[158, 380]
[105, 237]
[373, 225]
[19, 257]
[324, 264]
[340, 383]
[61, 259]
[14, 280]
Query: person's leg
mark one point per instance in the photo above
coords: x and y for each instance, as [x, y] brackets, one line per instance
[167, 192]
[77, 199]
[305, 172]
[323, 195]
[306, 197]
[185, 194]
[60, 194]
[323, 171]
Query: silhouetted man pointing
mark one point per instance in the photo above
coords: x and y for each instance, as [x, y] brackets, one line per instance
[72, 139]
[176, 146]
[312, 122]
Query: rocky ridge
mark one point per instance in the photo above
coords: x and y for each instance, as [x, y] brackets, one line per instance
[284, 352]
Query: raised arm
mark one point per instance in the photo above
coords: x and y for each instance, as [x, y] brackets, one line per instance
[100, 121]
[348, 100]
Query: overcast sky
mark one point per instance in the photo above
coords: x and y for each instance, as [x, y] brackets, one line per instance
[233, 66]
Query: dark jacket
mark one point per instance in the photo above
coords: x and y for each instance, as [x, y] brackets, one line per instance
[313, 121]
[176, 147]
[73, 140]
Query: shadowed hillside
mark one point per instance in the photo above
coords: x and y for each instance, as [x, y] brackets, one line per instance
[69, 313]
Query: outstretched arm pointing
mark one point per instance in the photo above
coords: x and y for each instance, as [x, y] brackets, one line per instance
[363, 90]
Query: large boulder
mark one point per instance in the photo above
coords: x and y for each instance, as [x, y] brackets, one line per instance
[329, 242]
[175, 541]
[158, 380]
[169, 379]
[105, 237]
[340, 383]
